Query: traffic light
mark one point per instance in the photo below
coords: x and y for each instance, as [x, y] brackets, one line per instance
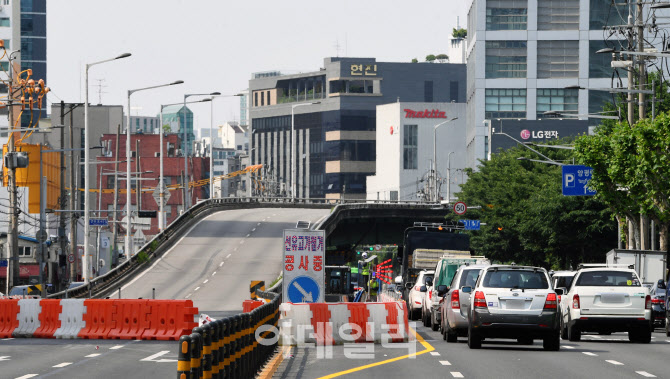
[358, 253]
[371, 248]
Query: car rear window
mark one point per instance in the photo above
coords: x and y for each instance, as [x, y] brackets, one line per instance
[522, 279]
[469, 278]
[425, 278]
[563, 281]
[608, 279]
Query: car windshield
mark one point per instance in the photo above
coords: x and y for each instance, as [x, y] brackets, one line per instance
[608, 279]
[521, 279]
[563, 281]
[469, 278]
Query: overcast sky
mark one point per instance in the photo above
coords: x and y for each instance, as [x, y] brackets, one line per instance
[215, 45]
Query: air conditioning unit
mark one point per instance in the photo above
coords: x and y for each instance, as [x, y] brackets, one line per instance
[157, 155]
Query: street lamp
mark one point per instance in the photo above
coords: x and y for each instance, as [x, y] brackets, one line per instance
[128, 199]
[161, 215]
[539, 161]
[87, 180]
[293, 158]
[436, 199]
[187, 198]
[211, 143]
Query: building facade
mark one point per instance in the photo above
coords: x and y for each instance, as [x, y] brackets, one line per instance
[144, 124]
[179, 117]
[334, 117]
[405, 150]
[521, 56]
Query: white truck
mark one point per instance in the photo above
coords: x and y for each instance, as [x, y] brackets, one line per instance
[649, 264]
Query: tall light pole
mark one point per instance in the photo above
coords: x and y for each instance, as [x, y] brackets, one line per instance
[293, 158]
[449, 177]
[87, 184]
[128, 158]
[211, 143]
[187, 197]
[161, 212]
[436, 196]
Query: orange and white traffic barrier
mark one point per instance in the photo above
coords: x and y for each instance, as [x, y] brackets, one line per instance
[338, 323]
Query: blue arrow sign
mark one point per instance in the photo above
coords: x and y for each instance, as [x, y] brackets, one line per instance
[97, 222]
[576, 179]
[471, 224]
[303, 289]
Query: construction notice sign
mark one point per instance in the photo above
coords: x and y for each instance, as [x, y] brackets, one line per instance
[304, 262]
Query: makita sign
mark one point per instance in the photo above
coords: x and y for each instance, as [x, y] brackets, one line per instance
[409, 113]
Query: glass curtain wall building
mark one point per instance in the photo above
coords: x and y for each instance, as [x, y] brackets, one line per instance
[178, 117]
[34, 48]
[523, 53]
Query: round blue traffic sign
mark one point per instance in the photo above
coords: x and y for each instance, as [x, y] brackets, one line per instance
[303, 289]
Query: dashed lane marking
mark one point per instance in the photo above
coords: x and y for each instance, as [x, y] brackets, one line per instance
[568, 347]
[434, 353]
[92, 355]
[589, 353]
[27, 376]
[253, 230]
[259, 224]
[5, 358]
[214, 273]
[63, 364]
[205, 282]
[241, 242]
[116, 347]
[152, 358]
[9, 339]
[248, 235]
[445, 363]
[227, 256]
[220, 264]
[196, 288]
[616, 363]
[456, 374]
[644, 373]
[189, 295]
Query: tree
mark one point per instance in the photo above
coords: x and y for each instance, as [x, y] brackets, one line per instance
[459, 33]
[442, 58]
[430, 58]
[528, 220]
[414, 60]
[167, 129]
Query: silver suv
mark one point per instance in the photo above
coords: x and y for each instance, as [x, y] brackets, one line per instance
[454, 309]
[514, 302]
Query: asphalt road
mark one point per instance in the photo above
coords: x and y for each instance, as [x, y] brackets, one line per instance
[212, 265]
[594, 357]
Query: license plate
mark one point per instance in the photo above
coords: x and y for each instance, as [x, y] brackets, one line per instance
[613, 298]
[515, 304]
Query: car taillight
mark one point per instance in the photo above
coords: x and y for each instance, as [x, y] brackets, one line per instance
[550, 303]
[575, 302]
[647, 302]
[480, 300]
[430, 294]
[455, 300]
[657, 301]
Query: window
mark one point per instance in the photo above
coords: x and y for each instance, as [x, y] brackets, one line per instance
[506, 14]
[557, 59]
[557, 15]
[410, 150]
[608, 279]
[505, 103]
[453, 91]
[262, 99]
[4, 21]
[7, 44]
[110, 181]
[603, 13]
[269, 98]
[600, 65]
[598, 100]
[522, 279]
[25, 251]
[255, 99]
[168, 210]
[557, 99]
[428, 91]
[4, 66]
[505, 59]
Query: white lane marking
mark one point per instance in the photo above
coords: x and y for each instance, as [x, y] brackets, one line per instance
[445, 363]
[589, 353]
[27, 376]
[92, 355]
[644, 373]
[9, 339]
[196, 288]
[205, 282]
[189, 295]
[152, 358]
[434, 353]
[665, 340]
[248, 235]
[165, 254]
[214, 273]
[227, 256]
[116, 347]
[253, 230]
[616, 363]
[241, 242]
[456, 374]
[4, 358]
[259, 224]
[220, 264]
[592, 336]
[568, 347]
[235, 249]
[63, 364]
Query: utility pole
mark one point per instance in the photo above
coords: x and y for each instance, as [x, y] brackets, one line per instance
[639, 23]
[139, 177]
[115, 252]
[63, 194]
[74, 189]
[13, 235]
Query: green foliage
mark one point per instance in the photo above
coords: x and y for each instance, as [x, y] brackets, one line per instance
[430, 58]
[142, 257]
[528, 220]
[459, 33]
[414, 60]
[167, 129]
[442, 58]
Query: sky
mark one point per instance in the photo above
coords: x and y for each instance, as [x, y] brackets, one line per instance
[215, 45]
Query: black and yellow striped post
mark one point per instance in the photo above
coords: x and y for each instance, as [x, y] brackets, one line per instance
[184, 358]
[222, 372]
[196, 350]
[215, 348]
[226, 348]
[256, 285]
[237, 347]
[206, 351]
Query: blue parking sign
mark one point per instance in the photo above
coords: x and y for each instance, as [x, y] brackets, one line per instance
[576, 180]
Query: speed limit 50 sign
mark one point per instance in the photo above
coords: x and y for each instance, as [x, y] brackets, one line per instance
[460, 208]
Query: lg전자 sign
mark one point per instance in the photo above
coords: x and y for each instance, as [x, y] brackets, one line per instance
[304, 262]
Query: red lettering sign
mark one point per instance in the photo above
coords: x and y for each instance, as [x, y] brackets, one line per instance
[304, 262]
[409, 113]
[289, 262]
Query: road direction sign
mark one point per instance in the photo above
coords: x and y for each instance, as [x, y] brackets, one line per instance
[460, 208]
[98, 222]
[471, 224]
[576, 180]
[304, 265]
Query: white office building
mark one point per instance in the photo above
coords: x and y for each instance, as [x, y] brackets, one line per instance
[404, 149]
[521, 54]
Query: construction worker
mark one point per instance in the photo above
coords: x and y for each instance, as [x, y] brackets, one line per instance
[373, 286]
